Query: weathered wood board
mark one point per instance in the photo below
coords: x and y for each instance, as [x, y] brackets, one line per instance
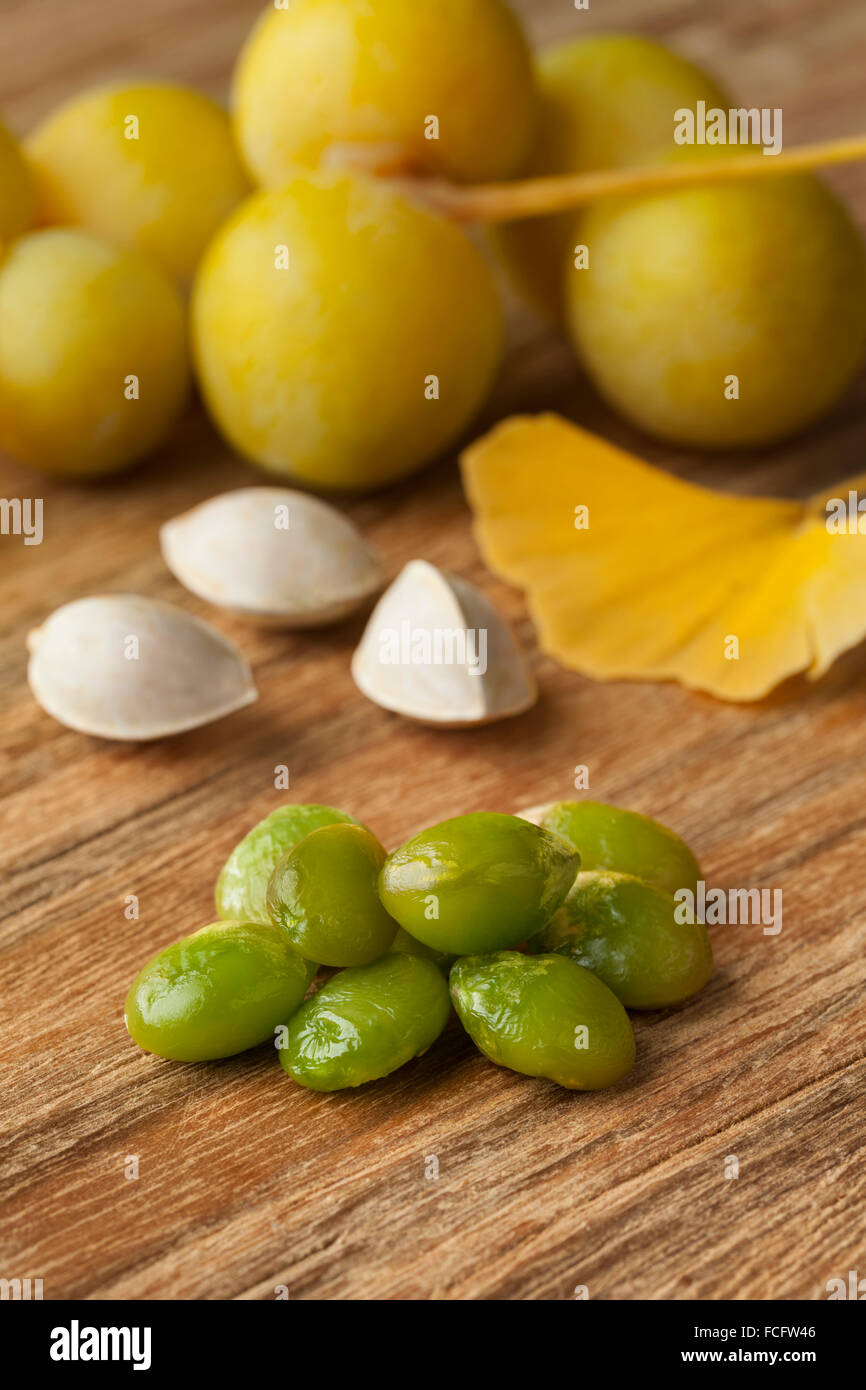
[247, 1182]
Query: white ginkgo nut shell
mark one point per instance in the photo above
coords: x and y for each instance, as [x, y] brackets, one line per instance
[425, 605]
[122, 666]
[274, 555]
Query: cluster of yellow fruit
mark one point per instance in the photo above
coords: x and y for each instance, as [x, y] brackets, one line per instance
[343, 333]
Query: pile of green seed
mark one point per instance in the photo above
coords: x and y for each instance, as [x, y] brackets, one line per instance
[586, 890]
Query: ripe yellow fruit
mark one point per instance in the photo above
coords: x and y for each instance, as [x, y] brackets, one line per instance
[16, 190]
[449, 84]
[721, 317]
[150, 166]
[343, 336]
[605, 103]
[93, 357]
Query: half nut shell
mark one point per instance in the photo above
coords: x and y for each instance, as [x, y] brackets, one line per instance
[125, 667]
[274, 555]
[436, 650]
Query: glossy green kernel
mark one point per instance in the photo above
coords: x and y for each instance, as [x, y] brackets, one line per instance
[626, 932]
[482, 882]
[323, 894]
[241, 890]
[217, 992]
[406, 943]
[544, 1016]
[366, 1022]
[608, 837]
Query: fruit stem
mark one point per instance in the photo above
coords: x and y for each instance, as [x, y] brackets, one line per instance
[508, 202]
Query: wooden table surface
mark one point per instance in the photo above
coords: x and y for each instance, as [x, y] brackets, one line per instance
[246, 1182]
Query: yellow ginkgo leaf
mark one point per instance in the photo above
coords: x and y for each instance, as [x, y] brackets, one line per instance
[633, 573]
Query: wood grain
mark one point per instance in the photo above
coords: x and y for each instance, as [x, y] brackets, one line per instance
[247, 1182]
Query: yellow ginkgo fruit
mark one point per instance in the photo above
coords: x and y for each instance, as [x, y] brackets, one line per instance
[632, 573]
[149, 165]
[606, 101]
[722, 317]
[16, 191]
